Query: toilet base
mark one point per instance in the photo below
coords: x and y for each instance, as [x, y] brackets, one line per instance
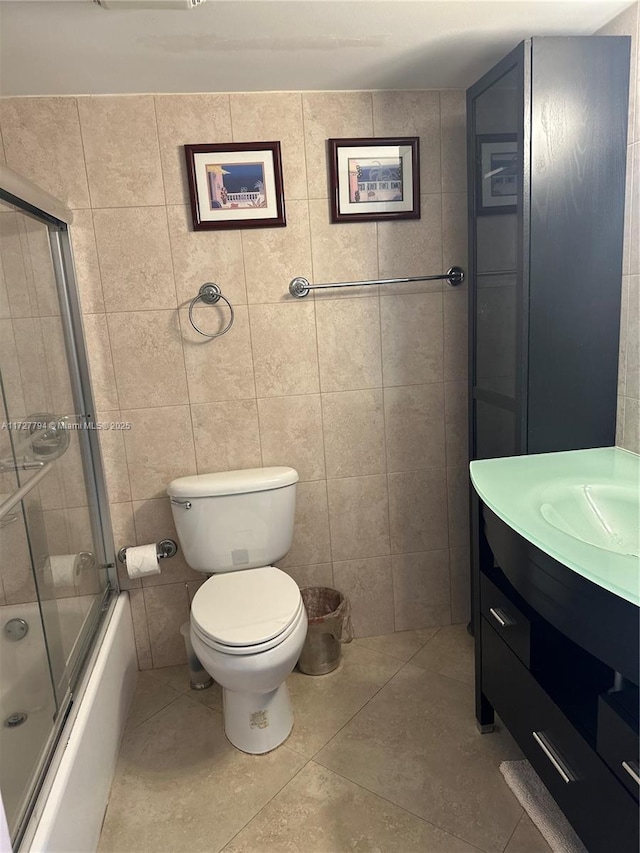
[257, 722]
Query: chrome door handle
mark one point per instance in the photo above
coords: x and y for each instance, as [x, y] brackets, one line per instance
[632, 769]
[501, 617]
[545, 745]
[183, 504]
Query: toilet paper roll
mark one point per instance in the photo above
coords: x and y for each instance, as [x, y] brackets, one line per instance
[65, 568]
[142, 560]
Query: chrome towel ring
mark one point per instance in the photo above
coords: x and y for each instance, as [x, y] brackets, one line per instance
[210, 293]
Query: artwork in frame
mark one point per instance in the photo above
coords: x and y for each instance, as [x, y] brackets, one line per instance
[497, 190]
[374, 179]
[235, 185]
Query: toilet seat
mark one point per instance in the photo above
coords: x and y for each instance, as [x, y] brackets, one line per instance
[247, 611]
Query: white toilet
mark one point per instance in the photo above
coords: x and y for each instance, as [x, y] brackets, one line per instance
[248, 621]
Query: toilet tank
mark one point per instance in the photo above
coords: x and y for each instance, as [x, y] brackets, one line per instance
[234, 519]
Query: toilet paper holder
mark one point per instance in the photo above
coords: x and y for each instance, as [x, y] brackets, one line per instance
[164, 548]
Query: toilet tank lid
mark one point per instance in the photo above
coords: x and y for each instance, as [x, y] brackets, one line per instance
[232, 482]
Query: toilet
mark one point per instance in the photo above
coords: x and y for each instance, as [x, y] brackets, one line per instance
[248, 621]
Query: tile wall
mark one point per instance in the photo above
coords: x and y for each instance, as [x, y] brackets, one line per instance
[364, 393]
[628, 432]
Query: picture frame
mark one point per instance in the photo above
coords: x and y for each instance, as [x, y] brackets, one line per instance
[235, 185]
[497, 171]
[374, 179]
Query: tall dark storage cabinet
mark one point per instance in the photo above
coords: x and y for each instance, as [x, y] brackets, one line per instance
[547, 151]
[547, 131]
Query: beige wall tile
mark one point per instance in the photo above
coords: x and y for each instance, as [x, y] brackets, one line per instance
[11, 380]
[148, 358]
[456, 415]
[421, 590]
[188, 120]
[411, 113]
[626, 24]
[124, 535]
[285, 355]
[368, 586]
[268, 116]
[13, 267]
[414, 423]
[202, 256]
[311, 543]
[412, 338]
[56, 365]
[456, 309]
[453, 118]
[167, 609]
[624, 318]
[226, 436]
[85, 259]
[291, 434]
[319, 575]
[16, 569]
[42, 280]
[140, 629]
[273, 256]
[413, 247]
[418, 511]
[120, 140]
[103, 380]
[114, 458]
[349, 343]
[620, 421]
[32, 361]
[631, 439]
[359, 517]
[354, 433]
[454, 234]
[153, 522]
[634, 240]
[460, 568]
[42, 141]
[341, 252]
[135, 258]
[159, 448]
[329, 115]
[458, 486]
[632, 372]
[219, 368]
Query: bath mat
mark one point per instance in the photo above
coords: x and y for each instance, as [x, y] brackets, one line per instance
[541, 807]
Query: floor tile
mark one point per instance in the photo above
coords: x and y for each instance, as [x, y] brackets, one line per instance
[450, 653]
[416, 744]
[321, 812]
[150, 696]
[402, 645]
[527, 838]
[178, 678]
[180, 786]
[322, 704]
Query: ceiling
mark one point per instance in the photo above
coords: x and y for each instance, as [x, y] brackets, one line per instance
[62, 47]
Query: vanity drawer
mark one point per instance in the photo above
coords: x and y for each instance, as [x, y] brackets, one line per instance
[508, 621]
[617, 739]
[600, 809]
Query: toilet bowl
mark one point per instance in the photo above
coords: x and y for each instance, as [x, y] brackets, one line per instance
[248, 621]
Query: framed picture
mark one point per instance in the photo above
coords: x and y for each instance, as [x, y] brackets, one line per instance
[497, 158]
[372, 179]
[235, 185]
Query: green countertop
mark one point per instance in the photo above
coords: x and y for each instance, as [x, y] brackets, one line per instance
[582, 507]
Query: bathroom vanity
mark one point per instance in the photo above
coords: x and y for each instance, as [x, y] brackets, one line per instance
[559, 628]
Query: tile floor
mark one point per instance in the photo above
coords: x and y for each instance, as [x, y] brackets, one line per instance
[384, 757]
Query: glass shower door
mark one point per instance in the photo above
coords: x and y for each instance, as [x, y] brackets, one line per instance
[53, 577]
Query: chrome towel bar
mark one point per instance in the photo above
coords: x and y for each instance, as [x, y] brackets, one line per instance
[300, 286]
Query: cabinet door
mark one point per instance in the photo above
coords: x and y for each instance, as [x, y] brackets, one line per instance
[495, 117]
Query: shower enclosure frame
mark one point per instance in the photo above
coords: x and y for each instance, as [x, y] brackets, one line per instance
[29, 199]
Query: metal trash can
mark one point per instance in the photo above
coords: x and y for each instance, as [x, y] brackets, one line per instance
[329, 615]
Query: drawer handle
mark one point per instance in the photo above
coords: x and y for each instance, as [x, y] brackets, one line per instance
[632, 769]
[501, 617]
[545, 745]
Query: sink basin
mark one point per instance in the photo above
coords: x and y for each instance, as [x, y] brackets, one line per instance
[604, 515]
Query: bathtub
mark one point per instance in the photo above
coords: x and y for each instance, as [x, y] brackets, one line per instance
[69, 811]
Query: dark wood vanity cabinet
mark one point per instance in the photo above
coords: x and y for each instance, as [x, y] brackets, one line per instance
[556, 656]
